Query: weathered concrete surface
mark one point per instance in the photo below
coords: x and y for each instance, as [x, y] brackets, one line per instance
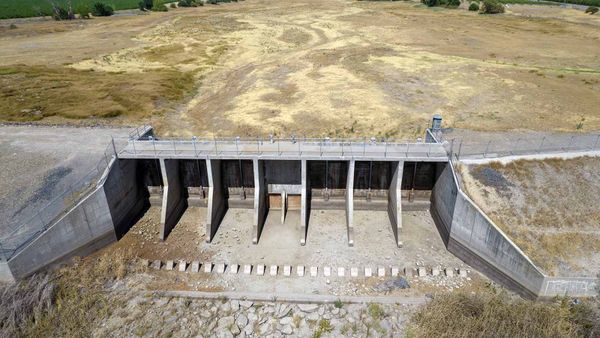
[395, 201]
[217, 200]
[174, 202]
[350, 203]
[304, 202]
[86, 228]
[5, 273]
[474, 238]
[260, 200]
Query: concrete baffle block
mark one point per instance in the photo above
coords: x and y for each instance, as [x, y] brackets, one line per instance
[395, 271]
[314, 271]
[156, 264]
[462, 272]
[368, 272]
[145, 263]
[208, 267]
[233, 269]
[435, 272]
[260, 269]
[422, 272]
[341, 271]
[381, 271]
[220, 268]
[327, 271]
[300, 270]
[195, 266]
[449, 272]
[247, 269]
[287, 270]
[354, 272]
[273, 270]
[169, 265]
[409, 272]
[182, 265]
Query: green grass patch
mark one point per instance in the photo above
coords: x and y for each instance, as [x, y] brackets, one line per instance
[30, 8]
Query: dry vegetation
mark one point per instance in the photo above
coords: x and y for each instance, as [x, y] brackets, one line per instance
[546, 207]
[342, 68]
[64, 303]
[498, 314]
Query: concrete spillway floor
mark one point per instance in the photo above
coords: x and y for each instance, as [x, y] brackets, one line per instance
[280, 243]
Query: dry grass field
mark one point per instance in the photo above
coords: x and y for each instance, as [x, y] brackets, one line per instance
[548, 208]
[339, 68]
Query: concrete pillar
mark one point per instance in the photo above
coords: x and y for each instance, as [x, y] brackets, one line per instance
[283, 206]
[6, 275]
[173, 201]
[217, 198]
[350, 202]
[395, 201]
[304, 203]
[260, 200]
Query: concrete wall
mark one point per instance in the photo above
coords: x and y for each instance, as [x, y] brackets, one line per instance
[350, 202]
[5, 273]
[86, 228]
[126, 196]
[395, 201]
[174, 201]
[260, 200]
[304, 202]
[217, 198]
[470, 235]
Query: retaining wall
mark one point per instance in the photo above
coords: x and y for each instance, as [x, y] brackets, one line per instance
[471, 236]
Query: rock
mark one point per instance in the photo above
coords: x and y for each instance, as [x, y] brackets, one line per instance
[321, 311]
[285, 321]
[284, 310]
[287, 330]
[246, 303]
[313, 316]
[335, 311]
[226, 321]
[242, 320]
[252, 317]
[308, 307]
[249, 329]
[235, 330]
[235, 305]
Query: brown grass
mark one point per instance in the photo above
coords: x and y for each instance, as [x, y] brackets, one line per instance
[34, 93]
[544, 207]
[497, 314]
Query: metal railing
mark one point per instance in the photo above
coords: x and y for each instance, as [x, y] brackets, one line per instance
[285, 147]
[16, 235]
[458, 149]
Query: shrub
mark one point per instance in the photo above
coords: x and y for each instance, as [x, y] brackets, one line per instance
[452, 3]
[430, 3]
[101, 9]
[83, 11]
[592, 10]
[145, 5]
[491, 7]
[12, 26]
[474, 7]
[62, 13]
[187, 3]
[159, 6]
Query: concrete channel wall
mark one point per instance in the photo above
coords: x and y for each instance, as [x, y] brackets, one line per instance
[471, 236]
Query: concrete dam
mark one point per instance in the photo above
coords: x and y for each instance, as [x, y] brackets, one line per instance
[289, 178]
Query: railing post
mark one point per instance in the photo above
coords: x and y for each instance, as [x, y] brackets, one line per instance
[237, 148]
[216, 150]
[278, 150]
[133, 143]
[364, 146]
[174, 149]
[112, 140]
[459, 150]
[486, 149]
[407, 148]
[194, 144]
[154, 146]
[570, 141]
[542, 144]
[257, 146]
[385, 150]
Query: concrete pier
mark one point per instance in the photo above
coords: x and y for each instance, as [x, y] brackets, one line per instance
[260, 200]
[174, 202]
[350, 202]
[217, 199]
[395, 201]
